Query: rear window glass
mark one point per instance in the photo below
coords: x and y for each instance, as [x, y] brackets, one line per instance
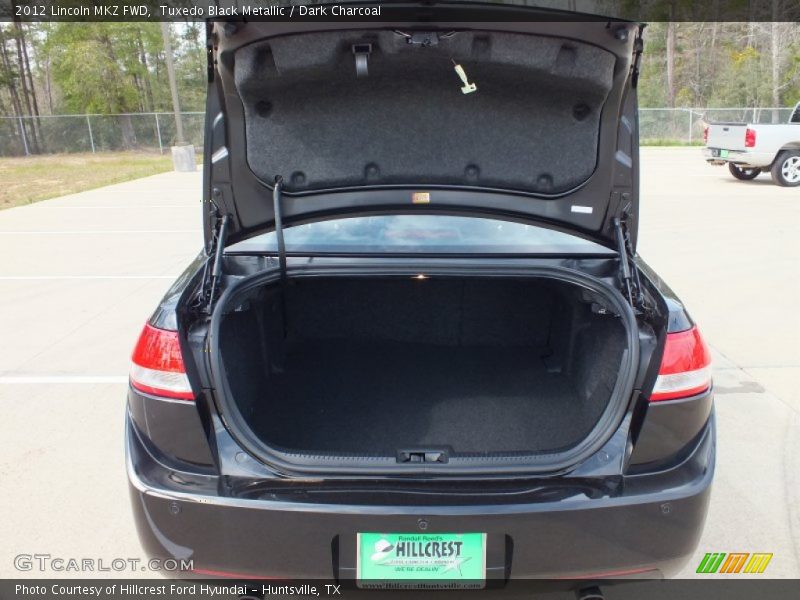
[420, 234]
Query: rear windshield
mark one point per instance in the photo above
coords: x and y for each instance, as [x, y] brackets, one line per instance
[420, 234]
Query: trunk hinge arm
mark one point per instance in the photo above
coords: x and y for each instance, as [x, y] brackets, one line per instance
[276, 205]
[631, 284]
[638, 49]
[213, 277]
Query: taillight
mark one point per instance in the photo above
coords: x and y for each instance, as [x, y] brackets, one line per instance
[750, 138]
[157, 367]
[705, 134]
[685, 367]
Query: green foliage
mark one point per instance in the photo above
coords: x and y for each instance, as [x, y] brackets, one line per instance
[87, 71]
[120, 67]
[101, 67]
[722, 64]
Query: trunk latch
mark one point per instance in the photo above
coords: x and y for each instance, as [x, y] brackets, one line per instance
[422, 456]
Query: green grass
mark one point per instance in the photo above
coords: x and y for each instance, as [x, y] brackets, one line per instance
[28, 179]
[660, 142]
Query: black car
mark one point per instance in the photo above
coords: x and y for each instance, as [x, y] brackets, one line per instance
[419, 343]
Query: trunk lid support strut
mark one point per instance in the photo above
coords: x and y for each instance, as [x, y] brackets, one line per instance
[213, 276]
[628, 272]
[212, 280]
[219, 249]
[276, 205]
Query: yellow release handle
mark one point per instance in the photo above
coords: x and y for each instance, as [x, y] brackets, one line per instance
[468, 87]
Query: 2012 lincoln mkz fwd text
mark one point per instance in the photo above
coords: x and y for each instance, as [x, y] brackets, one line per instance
[419, 344]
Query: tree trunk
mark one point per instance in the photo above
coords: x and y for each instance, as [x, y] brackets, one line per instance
[776, 66]
[12, 91]
[148, 90]
[31, 86]
[128, 133]
[48, 86]
[712, 67]
[30, 124]
[671, 64]
[126, 122]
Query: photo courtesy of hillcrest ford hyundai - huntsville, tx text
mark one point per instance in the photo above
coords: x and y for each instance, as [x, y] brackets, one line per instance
[419, 346]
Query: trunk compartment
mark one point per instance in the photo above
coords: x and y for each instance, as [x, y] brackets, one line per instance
[449, 371]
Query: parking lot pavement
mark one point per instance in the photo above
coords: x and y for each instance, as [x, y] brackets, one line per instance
[81, 273]
[730, 250]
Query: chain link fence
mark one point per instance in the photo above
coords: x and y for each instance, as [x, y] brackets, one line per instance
[685, 125]
[20, 136]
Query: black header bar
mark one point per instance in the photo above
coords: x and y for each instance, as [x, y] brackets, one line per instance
[430, 11]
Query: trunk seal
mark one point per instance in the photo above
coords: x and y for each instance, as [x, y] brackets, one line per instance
[290, 463]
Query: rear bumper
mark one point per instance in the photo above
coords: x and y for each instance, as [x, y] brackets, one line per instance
[760, 160]
[650, 529]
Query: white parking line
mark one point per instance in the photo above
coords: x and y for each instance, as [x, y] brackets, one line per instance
[85, 231]
[67, 277]
[124, 206]
[55, 379]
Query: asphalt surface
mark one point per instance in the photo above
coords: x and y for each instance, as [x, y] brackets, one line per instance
[80, 274]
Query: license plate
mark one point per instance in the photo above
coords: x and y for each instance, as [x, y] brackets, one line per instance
[723, 154]
[429, 560]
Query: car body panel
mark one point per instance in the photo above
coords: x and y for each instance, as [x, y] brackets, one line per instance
[651, 523]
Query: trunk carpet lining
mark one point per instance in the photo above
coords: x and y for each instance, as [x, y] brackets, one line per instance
[375, 398]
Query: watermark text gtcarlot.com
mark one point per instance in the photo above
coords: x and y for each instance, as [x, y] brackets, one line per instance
[62, 564]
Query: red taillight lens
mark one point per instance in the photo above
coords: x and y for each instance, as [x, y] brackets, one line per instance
[750, 138]
[705, 134]
[157, 367]
[685, 367]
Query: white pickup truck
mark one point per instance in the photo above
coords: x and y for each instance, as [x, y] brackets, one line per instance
[750, 148]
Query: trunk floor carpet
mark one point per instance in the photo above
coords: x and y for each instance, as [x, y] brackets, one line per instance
[376, 398]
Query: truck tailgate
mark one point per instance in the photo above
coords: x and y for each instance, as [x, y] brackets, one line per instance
[726, 136]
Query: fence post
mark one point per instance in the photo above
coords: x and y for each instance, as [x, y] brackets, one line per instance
[24, 137]
[690, 124]
[91, 136]
[158, 131]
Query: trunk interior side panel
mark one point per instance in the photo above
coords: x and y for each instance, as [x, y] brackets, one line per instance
[369, 366]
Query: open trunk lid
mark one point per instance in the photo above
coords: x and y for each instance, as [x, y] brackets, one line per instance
[534, 121]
